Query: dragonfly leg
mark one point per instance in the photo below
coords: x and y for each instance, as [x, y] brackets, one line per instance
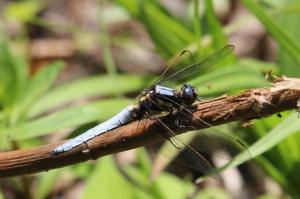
[88, 150]
[162, 134]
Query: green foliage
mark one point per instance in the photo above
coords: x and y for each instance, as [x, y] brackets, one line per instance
[108, 182]
[174, 33]
[288, 126]
[31, 106]
[282, 36]
[213, 193]
[18, 90]
[66, 118]
[288, 20]
[240, 75]
[219, 38]
[154, 17]
[230, 79]
[279, 164]
[13, 75]
[88, 87]
[23, 10]
[46, 182]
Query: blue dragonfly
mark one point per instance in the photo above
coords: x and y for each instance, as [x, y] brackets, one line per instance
[160, 100]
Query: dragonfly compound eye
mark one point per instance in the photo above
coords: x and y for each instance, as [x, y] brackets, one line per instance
[188, 94]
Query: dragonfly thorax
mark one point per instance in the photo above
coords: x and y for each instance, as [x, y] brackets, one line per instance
[161, 100]
[188, 94]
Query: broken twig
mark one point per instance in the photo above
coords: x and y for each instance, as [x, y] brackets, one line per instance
[249, 105]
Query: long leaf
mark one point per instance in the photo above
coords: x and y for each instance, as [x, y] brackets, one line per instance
[87, 87]
[13, 76]
[40, 83]
[284, 129]
[67, 118]
[45, 183]
[219, 38]
[169, 35]
[107, 182]
[165, 185]
[242, 75]
[275, 29]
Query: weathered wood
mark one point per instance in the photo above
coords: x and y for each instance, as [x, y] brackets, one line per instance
[251, 104]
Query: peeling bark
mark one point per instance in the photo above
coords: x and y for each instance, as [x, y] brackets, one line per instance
[247, 106]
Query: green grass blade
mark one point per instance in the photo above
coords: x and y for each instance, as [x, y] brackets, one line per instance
[169, 35]
[144, 161]
[284, 129]
[275, 29]
[45, 182]
[131, 6]
[277, 174]
[213, 192]
[107, 54]
[197, 24]
[40, 83]
[219, 38]
[107, 182]
[165, 184]
[67, 118]
[13, 76]
[87, 87]
[287, 65]
[22, 11]
[230, 79]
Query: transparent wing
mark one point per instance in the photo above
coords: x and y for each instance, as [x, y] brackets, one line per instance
[189, 156]
[209, 144]
[233, 143]
[197, 67]
[192, 149]
[193, 157]
[178, 60]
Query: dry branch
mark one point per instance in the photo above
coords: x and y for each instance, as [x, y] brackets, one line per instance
[251, 104]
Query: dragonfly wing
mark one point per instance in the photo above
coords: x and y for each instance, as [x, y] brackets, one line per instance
[175, 62]
[215, 143]
[197, 67]
[200, 151]
[187, 154]
[193, 158]
[230, 144]
[193, 148]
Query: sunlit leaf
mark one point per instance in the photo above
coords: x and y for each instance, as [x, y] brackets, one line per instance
[138, 175]
[169, 35]
[1, 195]
[166, 184]
[23, 10]
[279, 133]
[67, 118]
[87, 87]
[38, 84]
[288, 65]
[212, 193]
[13, 76]
[282, 36]
[219, 38]
[241, 75]
[45, 183]
[144, 161]
[107, 182]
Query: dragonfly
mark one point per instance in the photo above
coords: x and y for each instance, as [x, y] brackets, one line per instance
[160, 100]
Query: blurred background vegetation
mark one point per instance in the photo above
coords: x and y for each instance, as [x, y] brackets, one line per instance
[66, 65]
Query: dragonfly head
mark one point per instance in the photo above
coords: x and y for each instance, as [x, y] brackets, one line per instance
[188, 94]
